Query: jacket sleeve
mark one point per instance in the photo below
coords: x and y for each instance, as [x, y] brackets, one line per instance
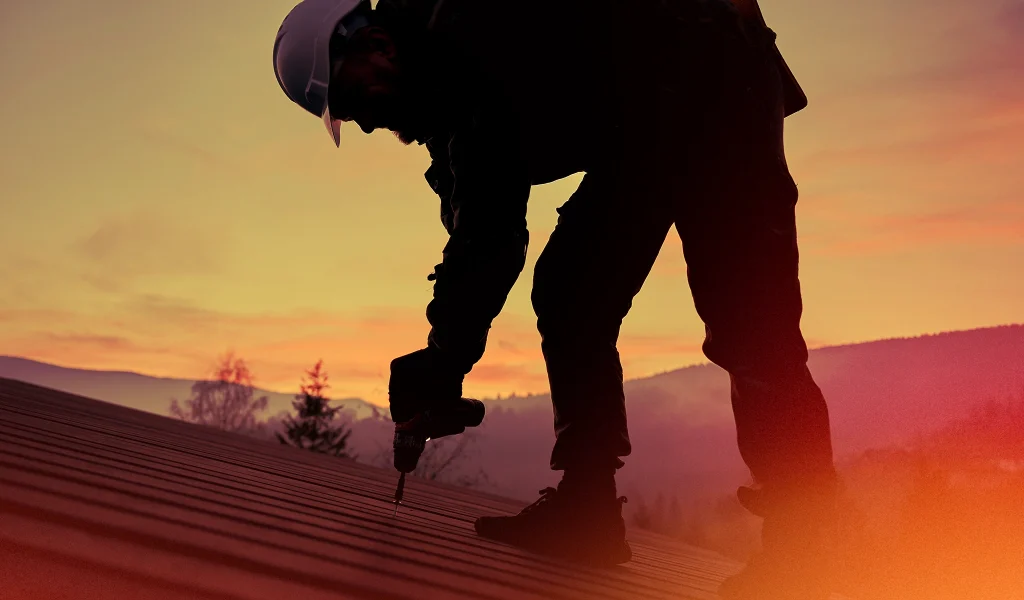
[484, 184]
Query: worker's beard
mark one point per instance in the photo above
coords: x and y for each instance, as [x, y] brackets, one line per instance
[412, 131]
[419, 108]
[416, 120]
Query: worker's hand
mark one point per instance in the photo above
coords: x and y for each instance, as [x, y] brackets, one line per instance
[421, 380]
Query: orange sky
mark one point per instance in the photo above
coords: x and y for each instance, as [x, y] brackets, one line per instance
[162, 201]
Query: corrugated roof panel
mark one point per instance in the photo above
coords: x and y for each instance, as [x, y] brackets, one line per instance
[99, 500]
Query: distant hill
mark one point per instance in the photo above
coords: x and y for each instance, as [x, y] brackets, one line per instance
[883, 391]
[143, 392]
[880, 393]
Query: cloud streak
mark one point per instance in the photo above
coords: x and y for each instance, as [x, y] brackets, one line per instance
[144, 244]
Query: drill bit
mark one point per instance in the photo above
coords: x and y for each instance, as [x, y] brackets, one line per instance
[399, 491]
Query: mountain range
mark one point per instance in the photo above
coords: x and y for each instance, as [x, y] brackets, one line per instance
[879, 392]
[886, 393]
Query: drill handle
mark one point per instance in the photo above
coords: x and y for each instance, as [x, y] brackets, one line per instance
[448, 419]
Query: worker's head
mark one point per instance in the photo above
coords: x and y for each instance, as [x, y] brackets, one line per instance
[369, 84]
[342, 62]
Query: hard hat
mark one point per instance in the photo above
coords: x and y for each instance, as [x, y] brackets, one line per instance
[302, 58]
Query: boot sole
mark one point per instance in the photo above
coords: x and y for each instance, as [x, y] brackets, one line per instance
[613, 557]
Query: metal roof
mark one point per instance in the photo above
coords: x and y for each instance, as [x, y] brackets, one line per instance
[103, 501]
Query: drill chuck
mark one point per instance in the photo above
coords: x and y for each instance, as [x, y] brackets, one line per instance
[408, 448]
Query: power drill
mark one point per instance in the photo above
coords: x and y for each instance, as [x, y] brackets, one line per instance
[449, 418]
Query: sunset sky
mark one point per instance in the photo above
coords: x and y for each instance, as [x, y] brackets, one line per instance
[163, 202]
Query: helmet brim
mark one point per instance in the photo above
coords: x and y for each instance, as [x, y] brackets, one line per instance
[333, 126]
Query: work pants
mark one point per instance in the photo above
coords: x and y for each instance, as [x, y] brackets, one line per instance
[711, 163]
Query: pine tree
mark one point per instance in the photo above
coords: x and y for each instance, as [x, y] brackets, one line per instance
[314, 427]
[674, 518]
[642, 515]
[658, 514]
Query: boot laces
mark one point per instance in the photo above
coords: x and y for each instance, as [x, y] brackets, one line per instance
[547, 497]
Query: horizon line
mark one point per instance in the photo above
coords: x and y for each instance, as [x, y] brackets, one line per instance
[528, 394]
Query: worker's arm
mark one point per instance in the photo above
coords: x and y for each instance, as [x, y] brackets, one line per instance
[483, 183]
[484, 212]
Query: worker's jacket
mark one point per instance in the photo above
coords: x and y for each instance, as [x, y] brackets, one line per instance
[537, 90]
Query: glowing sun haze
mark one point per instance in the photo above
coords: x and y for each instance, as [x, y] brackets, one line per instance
[162, 201]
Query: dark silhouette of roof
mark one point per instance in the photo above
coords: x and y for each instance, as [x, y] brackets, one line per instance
[103, 501]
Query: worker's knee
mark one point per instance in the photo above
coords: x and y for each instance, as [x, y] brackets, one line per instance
[555, 291]
[554, 307]
[567, 308]
[544, 296]
[766, 351]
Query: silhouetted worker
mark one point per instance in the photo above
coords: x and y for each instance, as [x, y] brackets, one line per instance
[674, 110]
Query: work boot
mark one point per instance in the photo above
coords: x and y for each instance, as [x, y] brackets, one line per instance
[795, 561]
[580, 521]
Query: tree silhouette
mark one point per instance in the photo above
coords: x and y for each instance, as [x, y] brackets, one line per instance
[658, 513]
[447, 460]
[642, 515]
[225, 402]
[313, 427]
[441, 458]
[674, 518]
